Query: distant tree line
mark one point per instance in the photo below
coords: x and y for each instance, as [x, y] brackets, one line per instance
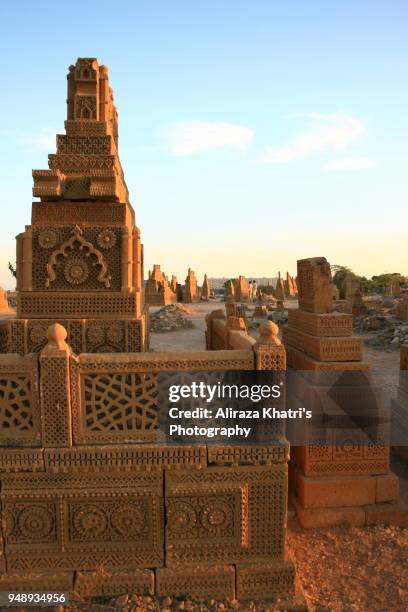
[375, 284]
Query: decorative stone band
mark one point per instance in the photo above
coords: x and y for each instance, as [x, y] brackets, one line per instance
[64, 304]
[324, 349]
[92, 213]
[318, 370]
[333, 324]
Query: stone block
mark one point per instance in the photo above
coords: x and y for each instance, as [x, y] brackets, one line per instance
[109, 583]
[387, 514]
[342, 459]
[83, 521]
[331, 492]
[196, 581]
[310, 518]
[265, 581]
[56, 580]
[387, 488]
[226, 515]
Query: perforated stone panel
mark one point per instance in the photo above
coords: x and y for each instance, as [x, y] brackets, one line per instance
[20, 422]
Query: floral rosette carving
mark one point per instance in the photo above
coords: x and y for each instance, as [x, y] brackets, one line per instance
[114, 334]
[38, 334]
[35, 522]
[106, 239]
[76, 271]
[47, 239]
[95, 334]
[90, 522]
[128, 521]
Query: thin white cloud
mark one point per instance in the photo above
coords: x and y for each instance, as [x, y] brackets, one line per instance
[350, 163]
[43, 141]
[325, 132]
[190, 137]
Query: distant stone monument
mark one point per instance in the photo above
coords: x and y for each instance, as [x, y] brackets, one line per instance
[230, 291]
[290, 286]
[190, 290]
[173, 284]
[206, 290]
[358, 306]
[158, 291]
[280, 289]
[241, 289]
[393, 288]
[402, 308]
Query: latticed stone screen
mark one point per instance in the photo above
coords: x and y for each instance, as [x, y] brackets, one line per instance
[19, 409]
[124, 403]
[119, 401]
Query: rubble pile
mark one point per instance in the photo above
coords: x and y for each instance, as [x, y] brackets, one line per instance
[170, 318]
[392, 332]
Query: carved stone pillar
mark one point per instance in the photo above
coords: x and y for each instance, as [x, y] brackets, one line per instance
[27, 260]
[126, 260]
[55, 389]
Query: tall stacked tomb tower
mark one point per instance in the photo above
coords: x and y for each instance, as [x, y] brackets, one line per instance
[344, 475]
[80, 262]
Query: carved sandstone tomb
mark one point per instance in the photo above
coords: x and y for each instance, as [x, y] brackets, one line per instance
[80, 262]
[290, 286]
[241, 289]
[91, 499]
[158, 291]
[341, 477]
[190, 289]
[206, 289]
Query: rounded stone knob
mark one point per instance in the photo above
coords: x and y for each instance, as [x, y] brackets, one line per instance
[268, 333]
[56, 336]
[56, 333]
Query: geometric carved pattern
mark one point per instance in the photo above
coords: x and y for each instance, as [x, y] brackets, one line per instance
[91, 212]
[114, 401]
[64, 304]
[19, 409]
[15, 405]
[225, 514]
[120, 402]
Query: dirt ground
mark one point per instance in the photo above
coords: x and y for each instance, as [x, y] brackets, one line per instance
[352, 568]
[340, 569]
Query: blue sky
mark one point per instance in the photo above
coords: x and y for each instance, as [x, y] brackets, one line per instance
[252, 134]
